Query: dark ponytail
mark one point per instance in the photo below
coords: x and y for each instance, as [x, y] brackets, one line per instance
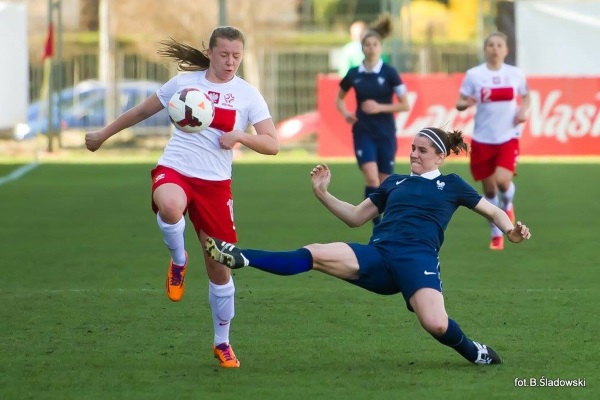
[451, 142]
[189, 58]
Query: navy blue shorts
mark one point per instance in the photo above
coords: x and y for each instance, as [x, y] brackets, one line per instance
[397, 269]
[381, 150]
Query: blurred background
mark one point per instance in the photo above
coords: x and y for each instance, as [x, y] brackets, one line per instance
[97, 58]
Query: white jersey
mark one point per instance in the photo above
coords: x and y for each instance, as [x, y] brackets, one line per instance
[496, 94]
[237, 104]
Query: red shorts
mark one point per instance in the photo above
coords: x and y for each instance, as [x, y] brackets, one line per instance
[485, 158]
[209, 203]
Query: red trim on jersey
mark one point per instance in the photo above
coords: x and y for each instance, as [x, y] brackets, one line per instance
[497, 94]
[224, 119]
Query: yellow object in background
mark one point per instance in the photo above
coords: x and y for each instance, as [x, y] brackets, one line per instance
[455, 23]
[463, 20]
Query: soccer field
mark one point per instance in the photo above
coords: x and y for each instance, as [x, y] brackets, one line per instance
[84, 313]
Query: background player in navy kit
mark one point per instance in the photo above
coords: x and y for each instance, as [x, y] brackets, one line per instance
[493, 87]
[374, 129]
[402, 254]
[193, 175]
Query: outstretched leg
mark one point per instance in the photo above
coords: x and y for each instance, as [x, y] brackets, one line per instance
[335, 259]
[428, 305]
[275, 262]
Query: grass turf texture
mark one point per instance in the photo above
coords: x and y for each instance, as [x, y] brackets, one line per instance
[84, 313]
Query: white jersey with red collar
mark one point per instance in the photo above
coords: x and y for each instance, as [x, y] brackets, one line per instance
[496, 94]
[237, 104]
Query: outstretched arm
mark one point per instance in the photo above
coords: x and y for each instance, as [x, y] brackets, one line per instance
[515, 234]
[147, 108]
[350, 214]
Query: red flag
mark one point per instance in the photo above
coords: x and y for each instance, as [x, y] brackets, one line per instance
[49, 47]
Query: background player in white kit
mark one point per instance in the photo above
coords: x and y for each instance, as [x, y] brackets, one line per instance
[193, 175]
[493, 87]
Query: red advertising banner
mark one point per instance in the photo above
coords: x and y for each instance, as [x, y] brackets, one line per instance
[564, 117]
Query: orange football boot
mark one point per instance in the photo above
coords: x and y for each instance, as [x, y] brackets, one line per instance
[511, 214]
[175, 280]
[497, 243]
[224, 353]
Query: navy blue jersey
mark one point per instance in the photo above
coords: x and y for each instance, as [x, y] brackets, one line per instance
[418, 209]
[378, 86]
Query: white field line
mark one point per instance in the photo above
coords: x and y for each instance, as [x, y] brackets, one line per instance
[18, 173]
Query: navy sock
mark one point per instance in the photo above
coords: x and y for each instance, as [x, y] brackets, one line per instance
[280, 262]
[455, 338]
[368, 191]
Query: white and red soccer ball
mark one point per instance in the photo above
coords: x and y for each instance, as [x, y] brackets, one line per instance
[191, 110]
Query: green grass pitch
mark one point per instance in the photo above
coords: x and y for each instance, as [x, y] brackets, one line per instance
[84, 314]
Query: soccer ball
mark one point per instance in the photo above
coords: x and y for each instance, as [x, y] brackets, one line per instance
[191, 110]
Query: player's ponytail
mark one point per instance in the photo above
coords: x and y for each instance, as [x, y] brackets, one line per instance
[445, 142]
[381, 28]
[456, 142]
[188, 58]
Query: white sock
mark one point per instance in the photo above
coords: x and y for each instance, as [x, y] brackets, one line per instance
[508, 196]
[174, 239]
[495, 230]
[221, 299]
